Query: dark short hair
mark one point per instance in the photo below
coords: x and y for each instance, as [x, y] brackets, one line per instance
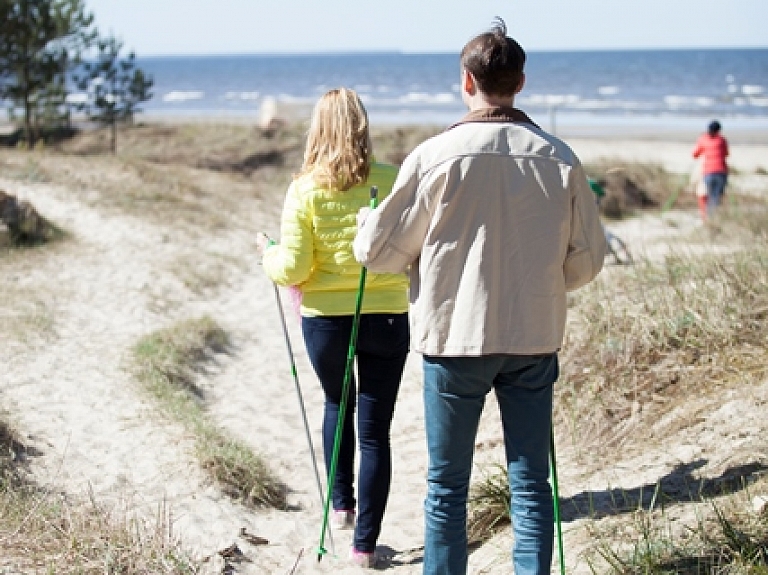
[495, 60]
[714, 127]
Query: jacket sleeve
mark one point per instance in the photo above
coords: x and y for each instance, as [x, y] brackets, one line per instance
[393, 234]
[586, 245]
[699, 149]
[290, 261]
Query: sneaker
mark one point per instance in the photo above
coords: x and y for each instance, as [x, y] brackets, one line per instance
[362, 559]
[343, 519]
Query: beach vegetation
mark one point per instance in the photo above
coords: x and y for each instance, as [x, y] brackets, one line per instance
[648, 355]
[48, 43]
[631, 187]
[168, 364]
[41, 38]
[650, 349]
[43, 531]
[115, 86]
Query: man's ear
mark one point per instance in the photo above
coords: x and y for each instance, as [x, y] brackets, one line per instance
[469, 84]
[521, 84]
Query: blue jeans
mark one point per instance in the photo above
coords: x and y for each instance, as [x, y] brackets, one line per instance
[715, 189]
[454, 395]
[381, 351]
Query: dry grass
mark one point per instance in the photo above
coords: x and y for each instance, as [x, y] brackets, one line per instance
[724, 536]
[392, 145]
[657, 333]
[198, 175]
[630, 187]
[28, 317]
[168, 365]
[27, 303]
[644, 342]
[489, 501]
[11, 450]
[203, 177]
[42, 531]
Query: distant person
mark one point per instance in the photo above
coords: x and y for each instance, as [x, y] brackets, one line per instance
[315, 254]
[714, 148]
[495, 221]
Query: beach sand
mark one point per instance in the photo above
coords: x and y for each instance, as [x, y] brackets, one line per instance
[69, 388]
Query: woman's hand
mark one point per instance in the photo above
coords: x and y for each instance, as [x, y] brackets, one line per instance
[262, 242]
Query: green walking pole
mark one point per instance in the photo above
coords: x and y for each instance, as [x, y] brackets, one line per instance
[556, 501]
[343, 404]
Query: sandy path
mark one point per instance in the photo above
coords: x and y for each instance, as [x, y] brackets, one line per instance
[73, 393]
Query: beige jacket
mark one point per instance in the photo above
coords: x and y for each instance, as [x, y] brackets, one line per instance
[496, 221]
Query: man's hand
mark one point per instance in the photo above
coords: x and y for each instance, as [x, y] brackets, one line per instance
[362, 215]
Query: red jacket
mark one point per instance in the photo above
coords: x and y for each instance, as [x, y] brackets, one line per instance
[715, 149]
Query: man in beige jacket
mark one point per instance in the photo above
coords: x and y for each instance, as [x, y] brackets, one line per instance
[495, 221]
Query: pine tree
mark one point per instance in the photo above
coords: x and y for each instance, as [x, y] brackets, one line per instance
[39, 39]
[115, 86]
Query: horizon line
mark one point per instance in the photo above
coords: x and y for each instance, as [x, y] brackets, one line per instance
[383, 51]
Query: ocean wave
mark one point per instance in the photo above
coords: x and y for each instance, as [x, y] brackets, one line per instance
[752, 90]
[548, 100]
[427, 98]
[677, 102]
[608, 90]
[242, 96]
[411, 100]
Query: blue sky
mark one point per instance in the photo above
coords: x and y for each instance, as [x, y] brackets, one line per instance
[164, 27]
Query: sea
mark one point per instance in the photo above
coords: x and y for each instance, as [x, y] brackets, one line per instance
[654, 88]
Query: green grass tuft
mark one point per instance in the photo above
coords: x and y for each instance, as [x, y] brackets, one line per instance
[167, 362]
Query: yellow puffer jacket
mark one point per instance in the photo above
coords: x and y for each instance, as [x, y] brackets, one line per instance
[315, 252]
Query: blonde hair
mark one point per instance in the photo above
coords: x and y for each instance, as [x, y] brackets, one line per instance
[338, 153]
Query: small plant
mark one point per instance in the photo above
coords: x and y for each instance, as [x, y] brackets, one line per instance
[731, 542]
[632, 186]
[167, 363]
[39, 529]
[489, 502]
[11, 449]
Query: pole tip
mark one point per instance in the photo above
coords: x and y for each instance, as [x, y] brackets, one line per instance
[374, 191]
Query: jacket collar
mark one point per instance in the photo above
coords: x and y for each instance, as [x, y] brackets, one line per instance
[500, 114]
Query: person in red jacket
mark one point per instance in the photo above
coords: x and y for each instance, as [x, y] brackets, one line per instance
[714, 148]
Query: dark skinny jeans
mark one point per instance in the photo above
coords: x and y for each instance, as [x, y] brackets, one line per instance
[381, 351]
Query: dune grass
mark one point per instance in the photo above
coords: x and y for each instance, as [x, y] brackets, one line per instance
[632, 186]
[42, 531]
[651, 336]
[725, 536]
[168, 363]
[691, 322]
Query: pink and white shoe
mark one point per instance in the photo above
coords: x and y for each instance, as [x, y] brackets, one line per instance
[362, 559]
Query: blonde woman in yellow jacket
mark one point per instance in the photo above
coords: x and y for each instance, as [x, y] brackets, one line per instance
[315, 254]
